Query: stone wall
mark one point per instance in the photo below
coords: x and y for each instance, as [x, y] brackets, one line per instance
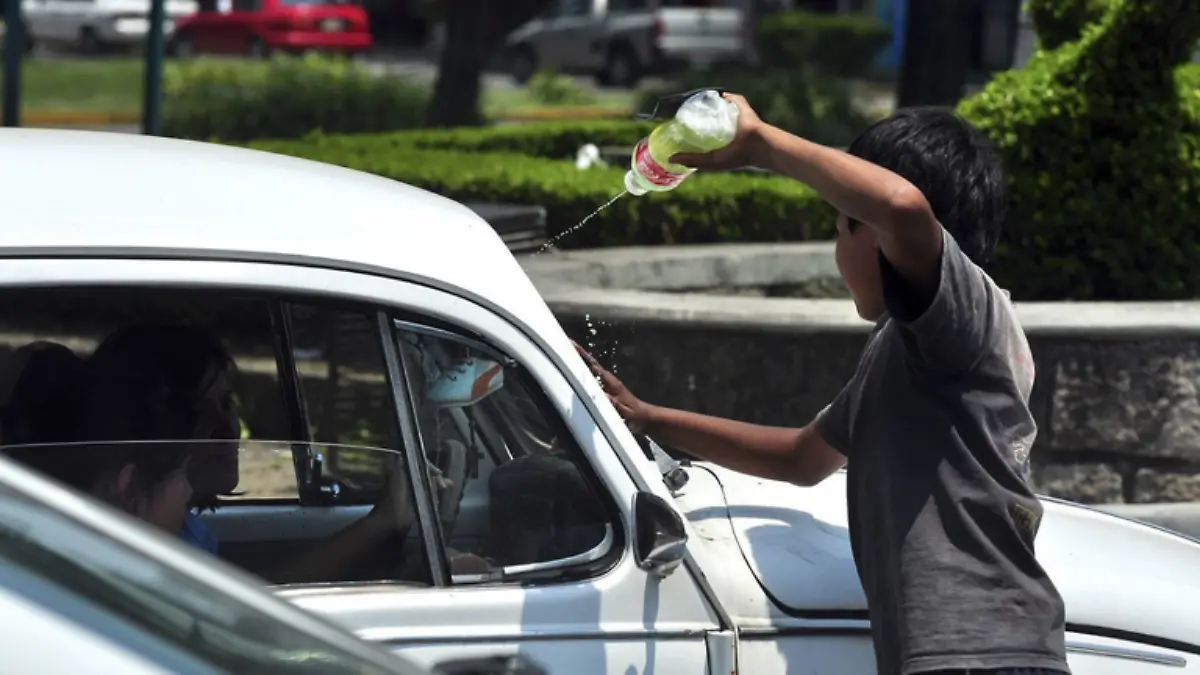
[1116, 395]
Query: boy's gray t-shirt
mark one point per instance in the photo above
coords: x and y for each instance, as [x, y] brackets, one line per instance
[936, 428]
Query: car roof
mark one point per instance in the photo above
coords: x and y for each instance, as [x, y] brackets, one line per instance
[96, 193]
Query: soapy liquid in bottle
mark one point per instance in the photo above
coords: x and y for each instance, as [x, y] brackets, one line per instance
[550, 244]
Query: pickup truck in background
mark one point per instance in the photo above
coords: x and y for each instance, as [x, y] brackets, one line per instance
[619, 41]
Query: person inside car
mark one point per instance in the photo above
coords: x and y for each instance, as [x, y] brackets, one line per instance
[50, 409]
[178, 380]
[42, 377]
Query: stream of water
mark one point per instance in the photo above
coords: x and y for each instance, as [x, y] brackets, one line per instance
[576, 227]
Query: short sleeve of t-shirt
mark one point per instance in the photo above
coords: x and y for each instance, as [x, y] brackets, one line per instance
[950, 333]
[833, 422]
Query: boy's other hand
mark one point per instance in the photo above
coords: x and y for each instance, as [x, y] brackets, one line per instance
[636, 412]
[745, 150]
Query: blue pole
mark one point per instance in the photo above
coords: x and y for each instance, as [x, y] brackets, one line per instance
[152, 85]
[14, 48]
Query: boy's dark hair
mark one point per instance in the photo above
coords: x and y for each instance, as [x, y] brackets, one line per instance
[952, 164]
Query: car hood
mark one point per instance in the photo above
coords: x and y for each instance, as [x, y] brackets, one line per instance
[1113, 573]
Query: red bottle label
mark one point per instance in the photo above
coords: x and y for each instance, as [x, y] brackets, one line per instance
[653, 171]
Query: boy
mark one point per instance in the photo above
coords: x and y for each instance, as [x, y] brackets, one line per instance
[934, 427]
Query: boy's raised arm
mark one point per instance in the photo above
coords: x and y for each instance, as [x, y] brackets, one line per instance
[795, 455]
[909, 234]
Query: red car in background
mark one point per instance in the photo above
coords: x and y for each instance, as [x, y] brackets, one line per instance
[257, 28]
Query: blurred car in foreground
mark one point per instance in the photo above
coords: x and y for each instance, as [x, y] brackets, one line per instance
[84, 589]
[258, 28]
[393, 357]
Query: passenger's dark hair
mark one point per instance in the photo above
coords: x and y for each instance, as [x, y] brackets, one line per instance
[41, 405]
[952, 164]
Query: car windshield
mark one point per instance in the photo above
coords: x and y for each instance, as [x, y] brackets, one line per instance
[220, 630]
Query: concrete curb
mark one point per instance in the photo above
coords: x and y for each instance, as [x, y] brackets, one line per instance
[633, 284]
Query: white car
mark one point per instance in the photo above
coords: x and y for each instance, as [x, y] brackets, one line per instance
[619, 41]
[356, 309]
[84, 589]
[93, 25]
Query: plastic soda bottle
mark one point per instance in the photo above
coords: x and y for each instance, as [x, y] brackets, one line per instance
[705, 122]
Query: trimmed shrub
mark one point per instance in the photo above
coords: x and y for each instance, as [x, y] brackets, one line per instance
[285, 97]
[554, 140]
[706, 208]
[1101, 140]
[1058, 22]
[550, 88]
[842, 45]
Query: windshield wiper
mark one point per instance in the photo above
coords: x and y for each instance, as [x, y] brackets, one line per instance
[673, 474]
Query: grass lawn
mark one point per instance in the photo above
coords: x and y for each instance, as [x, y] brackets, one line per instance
[107, 85]
[114, 85]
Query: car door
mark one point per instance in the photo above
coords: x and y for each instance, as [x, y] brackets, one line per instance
[574, 29]
[71, 17]
[39, 19]
[239, 27]
[558, 33]
[533, 552]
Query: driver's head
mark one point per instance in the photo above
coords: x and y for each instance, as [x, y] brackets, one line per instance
[169, 382]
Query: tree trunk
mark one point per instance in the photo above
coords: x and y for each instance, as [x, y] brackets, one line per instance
[475, 31]
[936, 52]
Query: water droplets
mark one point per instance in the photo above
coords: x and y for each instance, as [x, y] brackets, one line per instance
[593, 327]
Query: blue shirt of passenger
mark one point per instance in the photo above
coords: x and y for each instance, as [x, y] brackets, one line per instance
[196, 533]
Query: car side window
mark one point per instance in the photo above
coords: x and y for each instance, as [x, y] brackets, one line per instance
[574, 8]
[247, 5]
[514, 493]
[275, 417]
[347, 396]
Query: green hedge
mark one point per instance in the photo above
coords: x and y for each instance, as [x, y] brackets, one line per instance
[285, 97]
[843, 45]
[706, 208]
[1101, 140]
[555, 140]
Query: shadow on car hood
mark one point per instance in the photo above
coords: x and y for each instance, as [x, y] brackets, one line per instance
[1113, 573]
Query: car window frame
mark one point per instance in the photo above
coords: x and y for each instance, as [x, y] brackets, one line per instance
[591, 563]
[620, 474]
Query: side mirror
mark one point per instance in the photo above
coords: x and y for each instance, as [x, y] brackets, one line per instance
[660, 539]
[516, 664]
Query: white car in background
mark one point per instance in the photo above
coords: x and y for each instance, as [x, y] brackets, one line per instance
[380, 330]
[92, 25]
